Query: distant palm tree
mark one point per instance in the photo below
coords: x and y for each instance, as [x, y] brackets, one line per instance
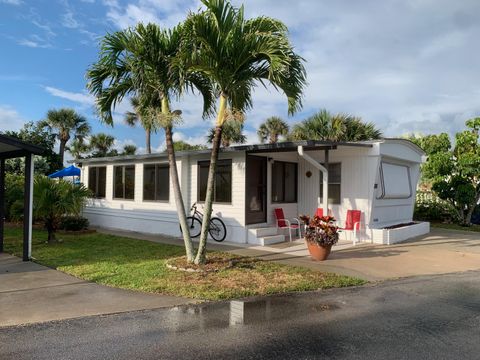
[231, 134]
[77, 148]
[143, 116]
[101, 144]
[129, 150]
[181, 145]
[334, 127]
[66, 124]
[271, 129]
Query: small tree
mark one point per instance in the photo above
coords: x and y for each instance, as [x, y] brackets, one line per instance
[232, 134]
[455, 170]
[54, 199]
[129, 150]
[101, 145]
[181, 145]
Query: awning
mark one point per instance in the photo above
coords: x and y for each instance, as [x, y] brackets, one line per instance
[69, 171]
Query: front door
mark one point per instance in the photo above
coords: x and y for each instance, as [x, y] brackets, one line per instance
[256, 190]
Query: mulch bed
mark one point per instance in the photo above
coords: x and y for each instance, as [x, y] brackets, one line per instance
[213, 264]
[400, 225]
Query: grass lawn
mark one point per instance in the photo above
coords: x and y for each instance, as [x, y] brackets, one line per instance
[474, 228]
[141, 265]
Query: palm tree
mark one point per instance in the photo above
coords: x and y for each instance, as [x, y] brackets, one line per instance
[101, 144]
[77, 148]
[141, 115]
[271, 129]
[129, 150]
[66, 124]
[231, 134]
[334, 127]
[181, 145]
[54, 199]
[235, 54]
[143, 61]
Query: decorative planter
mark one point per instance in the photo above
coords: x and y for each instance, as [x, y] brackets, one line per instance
[319, 253]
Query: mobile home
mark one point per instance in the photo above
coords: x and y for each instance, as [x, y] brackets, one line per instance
[379, 178]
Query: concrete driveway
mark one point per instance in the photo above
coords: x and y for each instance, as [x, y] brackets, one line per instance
[32, 293]
[440, 252]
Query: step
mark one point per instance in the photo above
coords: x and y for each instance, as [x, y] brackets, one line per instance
[273, 239]
[264, 231]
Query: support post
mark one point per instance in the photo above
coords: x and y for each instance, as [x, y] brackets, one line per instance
[27, 208]
[325, 184]
[2, 203]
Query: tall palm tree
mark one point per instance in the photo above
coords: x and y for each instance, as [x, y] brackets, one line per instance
[236, 54]
[231, 134]
[101, 144]
[271, 129]
[334, 127]
[143, 61]
[141, 115]
[66, 124]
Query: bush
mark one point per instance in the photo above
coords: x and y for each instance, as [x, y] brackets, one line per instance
[14, 197]
[74, 223]
[429, 207]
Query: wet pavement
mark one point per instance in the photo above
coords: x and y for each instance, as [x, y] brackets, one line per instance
[434, 317]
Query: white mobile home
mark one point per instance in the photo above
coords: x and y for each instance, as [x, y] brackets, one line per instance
[379, 178]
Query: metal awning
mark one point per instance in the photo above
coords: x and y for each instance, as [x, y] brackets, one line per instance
[13, 148]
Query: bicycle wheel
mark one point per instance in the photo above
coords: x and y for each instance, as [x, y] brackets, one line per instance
[194, 226]
[217, 229]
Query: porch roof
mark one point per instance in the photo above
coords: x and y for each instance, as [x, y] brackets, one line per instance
[12, 148]
[257, 148]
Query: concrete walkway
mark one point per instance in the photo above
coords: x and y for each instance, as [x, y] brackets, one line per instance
[31, 293]
[440, 252]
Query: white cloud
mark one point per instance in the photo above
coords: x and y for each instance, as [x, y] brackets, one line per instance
[81, 98]
[35, 41]
[10, 119]
[69, 21]
[12, 2]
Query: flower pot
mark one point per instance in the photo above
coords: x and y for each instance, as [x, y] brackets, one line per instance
[318, 252]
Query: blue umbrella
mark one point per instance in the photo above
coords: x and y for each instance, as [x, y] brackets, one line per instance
[69, 171]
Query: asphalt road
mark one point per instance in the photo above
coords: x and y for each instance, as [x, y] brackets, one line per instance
[434, 317]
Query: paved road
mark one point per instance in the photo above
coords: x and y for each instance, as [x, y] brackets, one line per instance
[435, 317]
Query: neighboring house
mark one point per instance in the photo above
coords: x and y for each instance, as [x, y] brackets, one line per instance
[377, 177]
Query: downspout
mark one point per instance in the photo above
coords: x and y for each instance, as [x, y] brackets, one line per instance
[324, 171]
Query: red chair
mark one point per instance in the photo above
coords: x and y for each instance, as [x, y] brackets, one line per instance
[352, 223]
[283, 223]
[319, 212]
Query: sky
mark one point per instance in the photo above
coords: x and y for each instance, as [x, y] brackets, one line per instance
[406, 65]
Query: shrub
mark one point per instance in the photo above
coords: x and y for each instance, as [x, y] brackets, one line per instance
[14, 197]
[74, 223]
[429, 207]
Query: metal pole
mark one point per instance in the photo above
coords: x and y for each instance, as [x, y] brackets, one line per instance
[27, 208]
[2, 202]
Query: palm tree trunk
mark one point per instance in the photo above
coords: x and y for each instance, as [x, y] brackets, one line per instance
[177, 192]
[207, 210]
[148, 133]
[61, 151]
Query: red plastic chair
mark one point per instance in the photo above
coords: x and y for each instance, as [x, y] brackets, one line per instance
[319, 212]
[283, 223]
[352, 223]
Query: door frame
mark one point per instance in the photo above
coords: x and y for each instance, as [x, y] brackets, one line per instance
[265, 187]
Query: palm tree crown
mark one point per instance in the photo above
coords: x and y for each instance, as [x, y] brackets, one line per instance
[231, 134]
[101, 144]
[271, 129]
[143, 116]
[66, 124]
[334, 127]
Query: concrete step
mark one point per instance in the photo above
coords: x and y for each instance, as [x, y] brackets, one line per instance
[264, 231]
[273, 239]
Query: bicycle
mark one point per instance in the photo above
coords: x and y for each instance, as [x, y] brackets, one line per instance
[217, 228]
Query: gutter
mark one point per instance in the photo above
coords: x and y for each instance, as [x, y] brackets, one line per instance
[324, 171]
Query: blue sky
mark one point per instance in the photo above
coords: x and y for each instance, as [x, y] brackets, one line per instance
[408, 66]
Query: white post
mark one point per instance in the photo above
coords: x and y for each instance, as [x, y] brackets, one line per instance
[30, 215]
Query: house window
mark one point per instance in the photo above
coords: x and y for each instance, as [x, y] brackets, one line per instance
[223, 181]
[334, 184]
[97, 181]
[156, 182]
[124, 182]
[395, 182]
[284, 182]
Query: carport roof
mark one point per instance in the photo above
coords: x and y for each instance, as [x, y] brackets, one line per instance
[11, 148]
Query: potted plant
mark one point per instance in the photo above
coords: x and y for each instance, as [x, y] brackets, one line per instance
[321, 234]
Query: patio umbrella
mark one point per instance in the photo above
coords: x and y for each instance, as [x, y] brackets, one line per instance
[69, 171]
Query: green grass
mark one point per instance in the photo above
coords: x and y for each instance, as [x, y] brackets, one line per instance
[141, 265]
[474, 228]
